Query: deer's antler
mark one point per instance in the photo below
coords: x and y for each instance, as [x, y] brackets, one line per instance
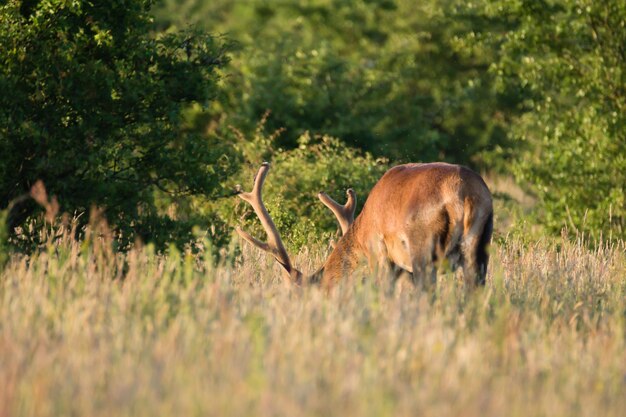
[345, 213]
[274, 244]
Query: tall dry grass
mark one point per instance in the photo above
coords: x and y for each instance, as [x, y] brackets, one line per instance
[85, 331]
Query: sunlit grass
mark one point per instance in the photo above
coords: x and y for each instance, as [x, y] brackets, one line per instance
[88, 332]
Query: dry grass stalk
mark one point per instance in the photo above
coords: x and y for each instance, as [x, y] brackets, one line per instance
[88, 332]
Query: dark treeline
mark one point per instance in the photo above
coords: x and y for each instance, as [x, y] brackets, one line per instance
[154, 111]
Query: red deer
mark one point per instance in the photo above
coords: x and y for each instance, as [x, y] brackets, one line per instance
[416, 217]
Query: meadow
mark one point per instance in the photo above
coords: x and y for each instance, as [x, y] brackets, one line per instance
[86, 331]
[153, 111]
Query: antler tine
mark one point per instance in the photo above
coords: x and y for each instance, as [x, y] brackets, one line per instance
[351, 203]
[275, 244]
[345, 213]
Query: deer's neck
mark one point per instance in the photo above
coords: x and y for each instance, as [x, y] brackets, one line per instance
[344, 258]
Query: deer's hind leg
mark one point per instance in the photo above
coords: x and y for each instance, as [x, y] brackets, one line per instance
[424, 262]
[474, 248]
[482, 251]
[452, 256]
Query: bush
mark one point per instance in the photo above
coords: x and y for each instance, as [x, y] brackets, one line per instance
[97, 108]
[319, 163]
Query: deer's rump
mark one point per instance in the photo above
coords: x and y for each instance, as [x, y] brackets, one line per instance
[418, 214]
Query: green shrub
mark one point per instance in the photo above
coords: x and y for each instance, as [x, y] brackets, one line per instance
[320, 163]
[97, 106]
[566, 59]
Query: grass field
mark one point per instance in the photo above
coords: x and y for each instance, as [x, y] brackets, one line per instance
[88, 332]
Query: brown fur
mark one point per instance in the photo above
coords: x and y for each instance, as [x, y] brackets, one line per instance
[417, 216]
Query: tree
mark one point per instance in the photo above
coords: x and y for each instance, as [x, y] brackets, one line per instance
[567, 60]
[95, 105]
[385, 76]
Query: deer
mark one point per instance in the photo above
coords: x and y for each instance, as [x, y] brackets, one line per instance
[417, 217]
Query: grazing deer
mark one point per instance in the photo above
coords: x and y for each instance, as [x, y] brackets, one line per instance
[416, 217]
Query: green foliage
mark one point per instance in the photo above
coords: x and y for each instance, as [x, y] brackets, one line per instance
[109, 107]
[567, 60]
[321, 164]
[318, 164]
[386, 76]
[96, 109]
